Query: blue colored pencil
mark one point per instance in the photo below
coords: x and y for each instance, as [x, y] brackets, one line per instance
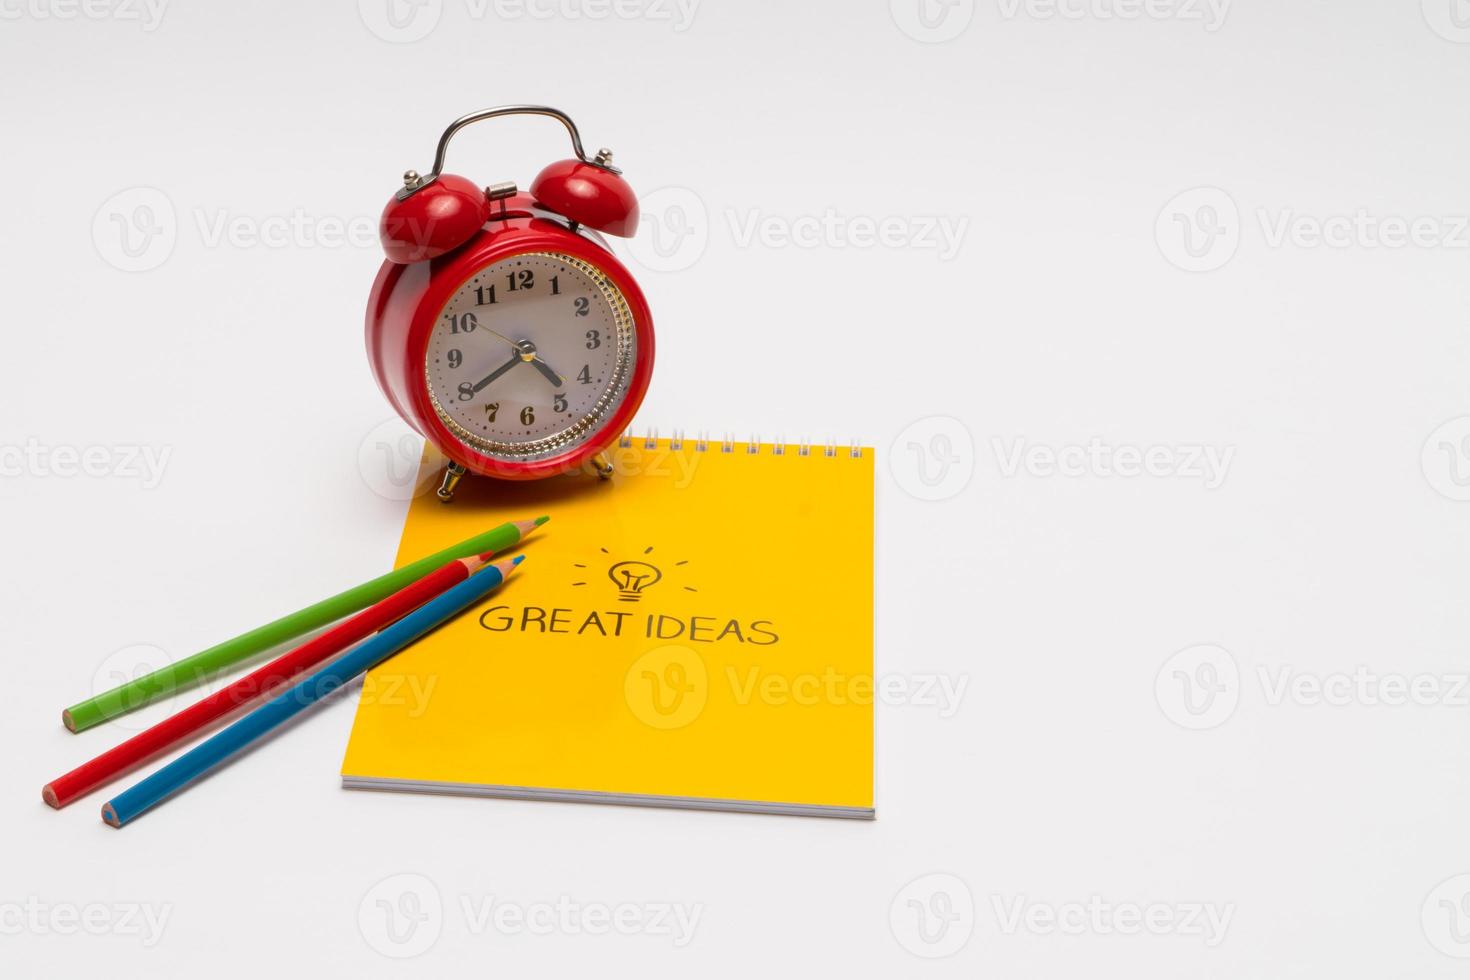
[208, 755]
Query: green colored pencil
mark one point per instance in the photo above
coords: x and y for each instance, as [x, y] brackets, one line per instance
[201, 666]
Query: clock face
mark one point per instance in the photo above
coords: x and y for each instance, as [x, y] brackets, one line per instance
[531, 356]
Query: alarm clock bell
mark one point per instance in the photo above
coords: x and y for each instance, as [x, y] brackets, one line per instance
[434, 214]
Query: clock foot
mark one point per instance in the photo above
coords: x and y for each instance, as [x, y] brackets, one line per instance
[452, 475]
[603, 466]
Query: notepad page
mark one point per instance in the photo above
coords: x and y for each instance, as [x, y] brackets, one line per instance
[699, 626]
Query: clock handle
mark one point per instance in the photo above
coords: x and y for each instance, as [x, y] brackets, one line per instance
[418, 182]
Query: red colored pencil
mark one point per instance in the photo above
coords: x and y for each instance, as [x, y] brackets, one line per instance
[174, 729]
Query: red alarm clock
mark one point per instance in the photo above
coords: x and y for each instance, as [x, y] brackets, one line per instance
[501, 326]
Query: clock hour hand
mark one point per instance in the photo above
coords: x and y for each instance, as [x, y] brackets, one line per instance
[545, 369]
[528, 353]
[487, 379]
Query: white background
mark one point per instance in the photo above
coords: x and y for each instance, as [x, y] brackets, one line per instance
[1135, 267]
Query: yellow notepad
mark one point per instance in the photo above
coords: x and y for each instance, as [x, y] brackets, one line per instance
[695, 632]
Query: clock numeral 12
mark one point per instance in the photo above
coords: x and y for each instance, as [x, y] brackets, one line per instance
[522, 279]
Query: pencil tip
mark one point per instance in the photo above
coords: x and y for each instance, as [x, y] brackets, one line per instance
[507, 566]
[540, 520]
[109, 816]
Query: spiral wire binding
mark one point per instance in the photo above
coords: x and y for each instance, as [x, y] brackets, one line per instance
[702, 444]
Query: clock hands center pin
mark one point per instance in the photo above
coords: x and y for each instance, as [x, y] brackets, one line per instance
[525, 351]
[530, 356]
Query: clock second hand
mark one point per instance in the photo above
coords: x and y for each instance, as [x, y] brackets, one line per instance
[496, 333]
[528, 352]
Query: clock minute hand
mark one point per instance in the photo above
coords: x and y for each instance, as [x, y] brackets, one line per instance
[487, 379]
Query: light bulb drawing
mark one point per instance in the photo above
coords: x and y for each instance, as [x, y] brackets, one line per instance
[632, 578]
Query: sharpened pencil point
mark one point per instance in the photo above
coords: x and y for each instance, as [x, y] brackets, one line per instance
[507, 566]
[529, 527]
